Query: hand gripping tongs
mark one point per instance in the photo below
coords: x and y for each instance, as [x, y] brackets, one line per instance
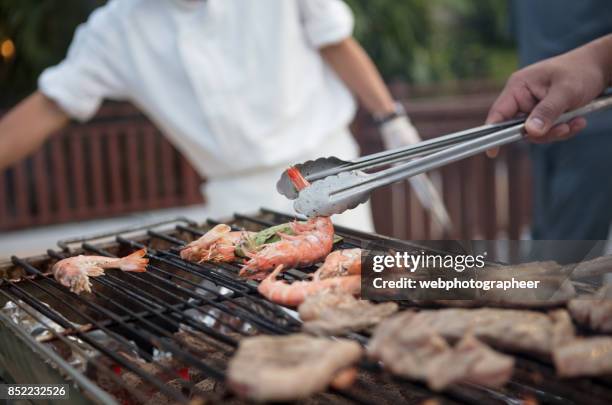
[337, 185]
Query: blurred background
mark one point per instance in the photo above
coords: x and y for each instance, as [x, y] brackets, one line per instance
[417, 42]
[446, 59]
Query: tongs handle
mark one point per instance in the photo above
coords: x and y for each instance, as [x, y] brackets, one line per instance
[387, 157]
[454, 153]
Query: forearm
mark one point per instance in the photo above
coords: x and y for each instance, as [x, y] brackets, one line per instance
[601, 49]
[25, 127]
[358, 72]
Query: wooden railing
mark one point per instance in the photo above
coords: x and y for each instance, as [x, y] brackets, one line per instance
[120, 163]
[117, 164]
[486, 198]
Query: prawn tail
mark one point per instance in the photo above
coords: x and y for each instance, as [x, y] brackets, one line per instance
[135, 262]
[298, 181]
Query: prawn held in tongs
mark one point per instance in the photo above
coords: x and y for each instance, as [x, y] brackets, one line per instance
[311, 242]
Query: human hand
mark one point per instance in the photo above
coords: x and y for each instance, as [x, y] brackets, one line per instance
[399, 132]
[549, 88]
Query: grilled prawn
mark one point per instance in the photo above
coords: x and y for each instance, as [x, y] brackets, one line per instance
[295, 293]
[311, 241]
[345, 262]
[74, 272]
[217, 245]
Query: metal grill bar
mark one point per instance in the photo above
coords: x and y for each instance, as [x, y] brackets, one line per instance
[270, 325]
[147, 299]
[469, 394]
[180, 354]
[34, 303]
[234, 269]
[124, 343]
[172, 285]
[94, 362]
[153, 256]
[143, 334]
[523, 384]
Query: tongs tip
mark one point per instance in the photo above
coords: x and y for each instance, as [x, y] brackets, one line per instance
[318, 199]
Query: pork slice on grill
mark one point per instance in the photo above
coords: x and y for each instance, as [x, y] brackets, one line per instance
[336, 314]
[403, 350]
[590, 268]
[285, 368]
[422, 354]
[584, 357]
[552, 291]
[594, 311]
[555, 285]
[470, 361]
[505, 329]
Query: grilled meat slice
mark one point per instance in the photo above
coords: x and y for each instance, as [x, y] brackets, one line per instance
[422, 354]
[594, 311]
[285, 368]
[584, 357]
[555, 286]
[405, 351]
[590, 268]
[506, 329]
[553, 291]
[472, 361]
[335, 313]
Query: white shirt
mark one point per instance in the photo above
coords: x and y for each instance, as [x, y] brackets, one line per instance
[236, 85]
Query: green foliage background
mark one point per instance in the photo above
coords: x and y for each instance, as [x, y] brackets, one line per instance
[431, 41]
[420, 41]
[41, 31]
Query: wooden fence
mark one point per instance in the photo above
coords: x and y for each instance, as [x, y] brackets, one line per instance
[116, 164]
[486, 198]
[120, 163]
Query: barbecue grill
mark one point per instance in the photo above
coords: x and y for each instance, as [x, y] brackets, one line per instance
[165, 336]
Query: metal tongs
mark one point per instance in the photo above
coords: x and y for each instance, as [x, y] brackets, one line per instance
[337, 185]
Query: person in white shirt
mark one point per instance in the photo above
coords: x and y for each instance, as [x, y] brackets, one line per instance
[241, 88]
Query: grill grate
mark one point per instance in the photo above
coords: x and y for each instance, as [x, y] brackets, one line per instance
[179, 308]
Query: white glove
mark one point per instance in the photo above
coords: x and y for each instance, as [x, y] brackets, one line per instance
[399, 132]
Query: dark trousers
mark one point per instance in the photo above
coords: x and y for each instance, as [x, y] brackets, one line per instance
[573, 193]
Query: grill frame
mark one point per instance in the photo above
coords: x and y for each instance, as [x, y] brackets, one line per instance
[557, 391]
